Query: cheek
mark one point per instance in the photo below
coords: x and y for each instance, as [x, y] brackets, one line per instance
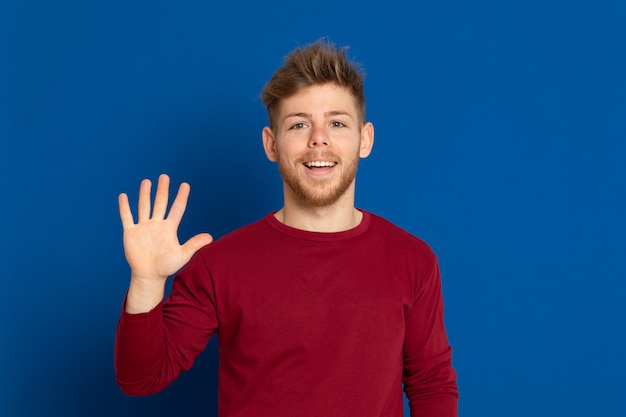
[283, 151]
[286, 156]
[290, 146]
[355, 149]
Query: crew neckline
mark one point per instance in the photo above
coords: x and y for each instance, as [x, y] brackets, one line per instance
[320, 236]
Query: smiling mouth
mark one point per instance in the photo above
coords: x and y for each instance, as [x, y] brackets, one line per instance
[319, 164]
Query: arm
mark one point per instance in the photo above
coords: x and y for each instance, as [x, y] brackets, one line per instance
[429, 379]
[153, 252]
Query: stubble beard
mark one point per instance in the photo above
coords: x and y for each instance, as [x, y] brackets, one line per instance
[318, 192]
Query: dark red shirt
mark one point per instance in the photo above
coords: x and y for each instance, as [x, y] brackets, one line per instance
[308, 324]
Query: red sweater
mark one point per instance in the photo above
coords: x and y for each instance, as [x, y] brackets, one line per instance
[308, 324]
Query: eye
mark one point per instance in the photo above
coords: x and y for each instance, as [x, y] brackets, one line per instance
[298, 126]
[337, 124]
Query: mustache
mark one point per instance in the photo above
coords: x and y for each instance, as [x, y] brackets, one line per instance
[310, 156]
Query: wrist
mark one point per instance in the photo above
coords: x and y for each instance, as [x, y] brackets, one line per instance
[144, 294]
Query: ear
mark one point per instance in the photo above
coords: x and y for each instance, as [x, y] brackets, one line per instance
[367, 140]
[269, 144]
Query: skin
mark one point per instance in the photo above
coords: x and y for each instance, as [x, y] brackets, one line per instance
[151, 245]
[319, 124]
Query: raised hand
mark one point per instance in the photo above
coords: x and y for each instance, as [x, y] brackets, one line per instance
[151, 245]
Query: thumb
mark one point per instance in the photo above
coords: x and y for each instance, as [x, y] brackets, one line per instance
[195, 243]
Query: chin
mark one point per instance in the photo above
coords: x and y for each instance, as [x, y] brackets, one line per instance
[310, 197]
[318, 193]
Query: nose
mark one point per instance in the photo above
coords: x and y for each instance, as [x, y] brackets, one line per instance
[319, 137]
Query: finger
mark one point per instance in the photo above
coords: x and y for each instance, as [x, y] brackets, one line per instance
[143, 208]
[195, 243]
[125, 214]
[180, 204]
[160, 200]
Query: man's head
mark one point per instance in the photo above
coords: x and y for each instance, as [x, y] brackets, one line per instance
[316, 64]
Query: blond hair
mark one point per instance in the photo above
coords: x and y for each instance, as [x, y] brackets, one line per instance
[315, 64]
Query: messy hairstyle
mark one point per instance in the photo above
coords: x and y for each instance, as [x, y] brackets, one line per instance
[315, 64]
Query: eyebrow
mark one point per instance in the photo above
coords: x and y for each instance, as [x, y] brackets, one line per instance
[326, 114]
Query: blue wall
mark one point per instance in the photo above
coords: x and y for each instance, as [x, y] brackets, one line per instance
[500, 131]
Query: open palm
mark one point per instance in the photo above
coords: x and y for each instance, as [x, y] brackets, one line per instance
[151, 245]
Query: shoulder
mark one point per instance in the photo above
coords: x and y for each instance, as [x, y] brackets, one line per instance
[229, 251]
[392, 234]
[408, 258]
[241, 239]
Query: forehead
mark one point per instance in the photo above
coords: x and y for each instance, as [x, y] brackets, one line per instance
[319, 99]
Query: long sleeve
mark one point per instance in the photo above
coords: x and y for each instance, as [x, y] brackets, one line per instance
[310, 324]
[152, 349]
[428, 376]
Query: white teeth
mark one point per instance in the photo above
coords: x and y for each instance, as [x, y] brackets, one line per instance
[320, 164]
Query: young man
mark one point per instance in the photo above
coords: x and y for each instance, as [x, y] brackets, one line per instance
[321, 309]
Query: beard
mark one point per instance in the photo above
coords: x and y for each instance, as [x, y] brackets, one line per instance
[318, 192]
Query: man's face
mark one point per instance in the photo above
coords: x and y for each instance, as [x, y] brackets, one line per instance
[317, 142]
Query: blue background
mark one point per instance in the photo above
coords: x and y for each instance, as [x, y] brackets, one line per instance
[500, 129]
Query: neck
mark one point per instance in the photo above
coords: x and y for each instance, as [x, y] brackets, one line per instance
[337, 217]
